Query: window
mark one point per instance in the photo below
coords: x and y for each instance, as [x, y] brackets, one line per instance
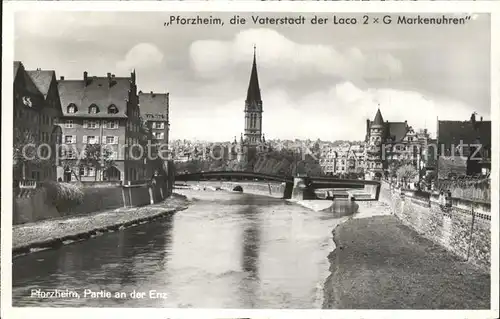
[72, 109]
[68, 124]
[90, 171]
[111, 139]
[90, 139]
[111, 124]
[93, 109]
[112, 109]
[70, 139]
[90, 124]
[93, 124]
[69, 154]
[158, 125]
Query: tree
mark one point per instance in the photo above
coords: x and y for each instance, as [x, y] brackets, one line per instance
[406, 173]
[98, 157]
[25, 146]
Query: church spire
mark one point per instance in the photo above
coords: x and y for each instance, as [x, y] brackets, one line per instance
[253, 94]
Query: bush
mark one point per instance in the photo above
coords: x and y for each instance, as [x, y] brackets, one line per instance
[64, 195]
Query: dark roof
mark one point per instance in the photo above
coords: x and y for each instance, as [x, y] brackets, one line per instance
[98, 91]
[397, 130]
[452, 132]
[379, 120]
[17, 64]
[42, 79]
[153, 103]
[253, 93]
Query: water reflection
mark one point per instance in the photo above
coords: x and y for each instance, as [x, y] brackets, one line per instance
[125, 256]
[227, 250]
[250, 254]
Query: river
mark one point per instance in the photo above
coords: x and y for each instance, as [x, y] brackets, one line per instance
[227, 250]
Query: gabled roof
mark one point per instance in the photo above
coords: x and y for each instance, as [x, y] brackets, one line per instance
[154, 104]
[452, 132]
[98, 91]
[396, 131]
[17, 64]
[42, 79]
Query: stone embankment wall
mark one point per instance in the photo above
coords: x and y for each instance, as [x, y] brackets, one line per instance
[464, 228]
[35, 205]
[267, 189]
[273, 189]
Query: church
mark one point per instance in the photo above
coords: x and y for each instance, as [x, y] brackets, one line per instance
[252, 140]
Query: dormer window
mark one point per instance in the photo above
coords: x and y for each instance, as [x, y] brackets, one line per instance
[93, 109]
[72, 109]
[112, 109]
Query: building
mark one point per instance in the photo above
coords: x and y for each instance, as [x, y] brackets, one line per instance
[344, 159]
[101, 112]
[36, 109]
[464, 148]
[252, 140]
[391, 142]
[155, 112]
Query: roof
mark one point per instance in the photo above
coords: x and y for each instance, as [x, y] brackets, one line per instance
[397, 130]
[452, 132]
[379, 120]
[253, 93]
[154, 103]
[42, 79]
[98, 91]
[17, 64]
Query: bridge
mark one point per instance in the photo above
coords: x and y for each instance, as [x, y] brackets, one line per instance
[296, 187]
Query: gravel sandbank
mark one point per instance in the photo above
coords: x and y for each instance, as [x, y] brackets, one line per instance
[381, 264]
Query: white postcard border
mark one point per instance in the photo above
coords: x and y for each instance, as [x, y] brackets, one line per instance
[268, 6]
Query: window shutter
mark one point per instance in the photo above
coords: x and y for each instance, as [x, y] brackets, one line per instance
[97, 139]
[63, 139]
[104, 139]
[97, 123]
[85, 139]
[85, 124]
[73, 139]
[105, 124]
[115, 139]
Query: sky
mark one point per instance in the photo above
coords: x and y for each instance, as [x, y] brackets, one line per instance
[317, 81]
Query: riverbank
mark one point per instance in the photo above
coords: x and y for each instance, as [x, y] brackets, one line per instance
[381, 264]
[54, 233]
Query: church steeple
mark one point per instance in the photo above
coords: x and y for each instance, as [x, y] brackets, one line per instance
[253, 93]
[253, 109]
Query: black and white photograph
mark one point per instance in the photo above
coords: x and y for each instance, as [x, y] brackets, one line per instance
[252, 160]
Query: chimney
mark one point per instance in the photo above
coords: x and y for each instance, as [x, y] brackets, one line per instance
[85, 77]
[481, 119]
[140, 92]
[109, 75]
[62, 78]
